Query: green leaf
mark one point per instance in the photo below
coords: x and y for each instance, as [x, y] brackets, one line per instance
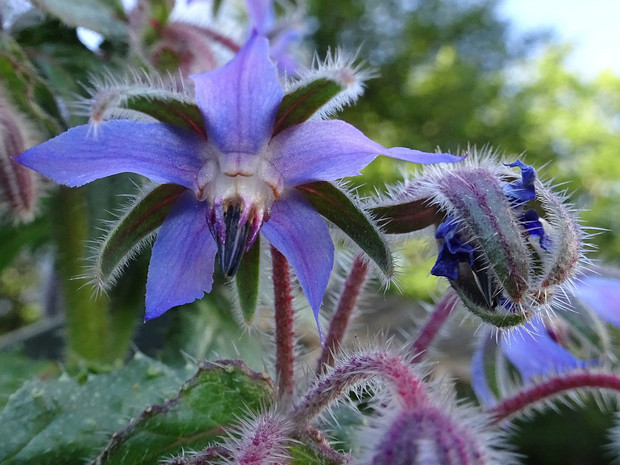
[17, 369]
[63, 421]
[28, 92]
[305, 101]
[247, 280]
[338, 208]
[167, 110]
[100, 16]
[405, 217]
[145, 216]
[216, 397]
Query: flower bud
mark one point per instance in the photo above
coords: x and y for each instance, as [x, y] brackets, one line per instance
[506, 241]
[18, 184]
[429, 435]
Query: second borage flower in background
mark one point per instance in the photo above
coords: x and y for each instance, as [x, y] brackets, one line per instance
[232, 164]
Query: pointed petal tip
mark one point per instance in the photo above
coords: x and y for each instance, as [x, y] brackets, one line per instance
[417, 156]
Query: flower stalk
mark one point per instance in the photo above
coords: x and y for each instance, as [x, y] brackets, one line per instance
[285, 334]
[433, 325]
[553, 387]
[346, 306]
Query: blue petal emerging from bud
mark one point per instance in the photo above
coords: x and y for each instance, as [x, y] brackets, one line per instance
[452, 250]
[523, 190]
[531, 222]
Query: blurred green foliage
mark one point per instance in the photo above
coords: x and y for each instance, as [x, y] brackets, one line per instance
[452, 75]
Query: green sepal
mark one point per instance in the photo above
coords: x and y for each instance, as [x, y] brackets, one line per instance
[28, 91]
[247, 281]
[168, 110]
[478, 301]
[406, 217]
[145, 216]
[305, 101]
[215, 398]
[338, 208]
[491, 221]
[497, 319]
[102, 16]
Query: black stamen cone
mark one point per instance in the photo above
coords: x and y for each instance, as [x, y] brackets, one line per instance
[232, 249]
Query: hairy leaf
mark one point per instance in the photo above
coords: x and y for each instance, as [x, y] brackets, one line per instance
[215, 398]
[63, 421]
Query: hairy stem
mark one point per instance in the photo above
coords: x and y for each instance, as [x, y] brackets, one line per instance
[358, 368]
[285, 358]
[433, 324]
[88, 318]
[551, 388]
[346, 305]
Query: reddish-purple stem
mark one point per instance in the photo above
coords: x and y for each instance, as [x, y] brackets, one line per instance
[433, 324]
[553, 387]
[358, 368]
[222, 39]
[346, 305]
[285, 358]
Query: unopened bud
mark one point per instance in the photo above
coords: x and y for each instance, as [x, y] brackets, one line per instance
[18, 184]
[505, 239]
[429, 435]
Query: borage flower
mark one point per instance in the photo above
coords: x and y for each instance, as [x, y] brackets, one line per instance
[235, 175]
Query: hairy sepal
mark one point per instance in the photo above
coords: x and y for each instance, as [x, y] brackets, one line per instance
[406, 217]
[131, 231]
[141, 95]
[303, 102]
[338, 208]
[324, 90]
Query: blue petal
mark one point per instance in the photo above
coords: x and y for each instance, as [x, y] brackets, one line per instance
[522, 190]
[302, 236]
[533, 226]
[158, 151]
[329, 150]
[534, 353]
[602, 295]
[478, 374]
[181, 268]
[262, 15]
[452, 251]
[239, 101]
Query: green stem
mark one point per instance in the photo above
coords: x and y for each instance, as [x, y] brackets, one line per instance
[88, 331]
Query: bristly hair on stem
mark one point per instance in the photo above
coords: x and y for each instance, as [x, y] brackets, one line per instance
[285, 343]
[347, 303]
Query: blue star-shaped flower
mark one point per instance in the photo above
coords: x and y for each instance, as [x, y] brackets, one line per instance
[240, 176]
